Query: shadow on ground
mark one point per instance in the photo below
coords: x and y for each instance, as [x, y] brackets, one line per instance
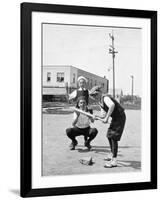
[59, 111]
[105, 150]
[97, 151]
[101, 149]
[129, 163]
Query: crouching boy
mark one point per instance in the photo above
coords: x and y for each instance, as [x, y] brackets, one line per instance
[81, 125]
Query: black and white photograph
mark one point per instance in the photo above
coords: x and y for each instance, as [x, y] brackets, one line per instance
[89, 121]
[91, 99]
[80, 100]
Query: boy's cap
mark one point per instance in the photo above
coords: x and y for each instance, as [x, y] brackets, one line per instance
[82, 77]
[96, 89]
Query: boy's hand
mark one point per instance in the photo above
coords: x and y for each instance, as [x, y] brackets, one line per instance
[96, 117]
[104, 121]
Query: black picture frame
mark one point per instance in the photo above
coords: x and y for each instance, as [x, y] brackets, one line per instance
[26, 97]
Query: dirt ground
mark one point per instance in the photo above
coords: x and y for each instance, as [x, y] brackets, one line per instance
[58, 159]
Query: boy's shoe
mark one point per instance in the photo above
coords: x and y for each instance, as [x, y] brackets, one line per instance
[109, 157]
[114, 162]
[72, 145]
[111, 164]
[108, 165]
[87, 144]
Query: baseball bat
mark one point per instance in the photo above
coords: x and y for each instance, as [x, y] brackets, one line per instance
[86, 113]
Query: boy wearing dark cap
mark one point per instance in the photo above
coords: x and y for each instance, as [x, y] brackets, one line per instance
[110, 108]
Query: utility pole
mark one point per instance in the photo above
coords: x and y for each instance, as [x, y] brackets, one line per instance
[132, 87]
[113, 52]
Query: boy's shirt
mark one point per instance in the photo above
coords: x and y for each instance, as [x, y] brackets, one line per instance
[109, 101]
[83, 120]
[73, 95]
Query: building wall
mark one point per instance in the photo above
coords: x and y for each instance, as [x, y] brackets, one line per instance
[70, 74]
[54, 71]
[73, 77]
[94, 80]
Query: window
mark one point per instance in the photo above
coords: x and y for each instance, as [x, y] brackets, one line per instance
[60, 77]
[103, 85]
[48, 76]
[73, 78]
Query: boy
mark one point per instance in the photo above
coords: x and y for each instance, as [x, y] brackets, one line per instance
[81, 125]
[81, 91]
[110, 107]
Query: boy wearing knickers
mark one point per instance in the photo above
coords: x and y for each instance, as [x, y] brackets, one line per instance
[81, 125]
[111, 108]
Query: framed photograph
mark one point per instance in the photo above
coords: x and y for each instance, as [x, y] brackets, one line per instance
[88, 99]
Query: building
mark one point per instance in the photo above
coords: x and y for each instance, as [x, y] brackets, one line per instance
[60, 79]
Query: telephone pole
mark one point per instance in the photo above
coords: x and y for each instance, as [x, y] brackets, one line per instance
[132, 87]
[113, 52]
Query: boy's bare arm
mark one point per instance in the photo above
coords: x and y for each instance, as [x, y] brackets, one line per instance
[72, 95]
[75, 119]
[91, 118]
[102, 114]
[105, 115]
[111, 108]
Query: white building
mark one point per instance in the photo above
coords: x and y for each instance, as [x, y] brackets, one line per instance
[58, 79]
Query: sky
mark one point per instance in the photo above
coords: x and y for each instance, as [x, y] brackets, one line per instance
[87, 47]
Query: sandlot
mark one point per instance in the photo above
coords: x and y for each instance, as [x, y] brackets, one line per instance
[58, 159]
